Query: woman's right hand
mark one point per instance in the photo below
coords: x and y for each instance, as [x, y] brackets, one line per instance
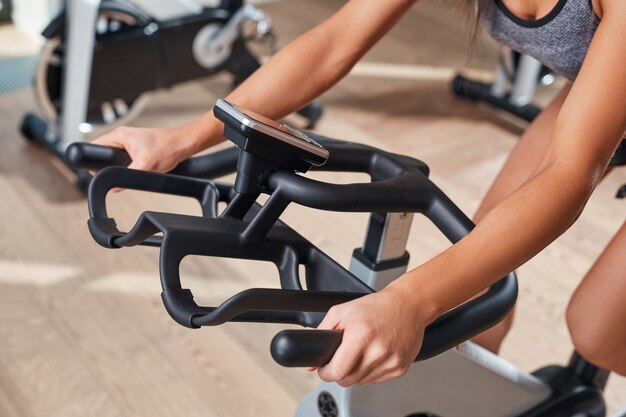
[151, 149]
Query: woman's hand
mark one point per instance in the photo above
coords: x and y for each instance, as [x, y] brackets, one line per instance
[150, 149]
[382, 335]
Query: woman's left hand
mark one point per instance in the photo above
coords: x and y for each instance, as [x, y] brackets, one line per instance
[382, 335]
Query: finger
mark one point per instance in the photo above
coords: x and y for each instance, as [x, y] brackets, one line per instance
[391, 369]
[373, 377]
[370, 360]
[344, 360]
[330, 321]
[140, 164]
[376, 374]
[390, 375]
[113, 138]
[133, 165]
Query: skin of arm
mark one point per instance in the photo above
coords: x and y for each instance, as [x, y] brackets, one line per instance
[297, 74]
[314, 62]
[383, 331]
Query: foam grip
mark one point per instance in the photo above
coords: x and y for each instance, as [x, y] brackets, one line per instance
[34, 128]
[87, 156]
[303, 348]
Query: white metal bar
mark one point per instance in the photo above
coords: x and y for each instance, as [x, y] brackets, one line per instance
[80, 35]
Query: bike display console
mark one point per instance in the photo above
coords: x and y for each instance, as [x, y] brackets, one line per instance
[275, 142]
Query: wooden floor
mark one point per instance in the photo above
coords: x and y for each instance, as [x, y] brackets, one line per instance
[82, 329]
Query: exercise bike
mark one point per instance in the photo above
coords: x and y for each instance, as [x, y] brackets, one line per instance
[450, 378]
[84, 83]
[517, 78]
[5, 10]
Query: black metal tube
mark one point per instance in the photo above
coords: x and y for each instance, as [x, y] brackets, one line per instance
[588, 372]
[478, 91]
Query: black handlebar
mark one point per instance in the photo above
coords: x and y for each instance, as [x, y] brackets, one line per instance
[88, 156]
[92, 157]
[300, 348]
[399, 184]
[294, 348]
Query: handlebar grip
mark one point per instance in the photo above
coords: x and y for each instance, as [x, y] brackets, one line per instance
[87, 156]
[300, 348]
[296, 348]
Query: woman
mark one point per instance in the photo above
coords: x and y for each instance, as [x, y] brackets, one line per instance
[539, 193]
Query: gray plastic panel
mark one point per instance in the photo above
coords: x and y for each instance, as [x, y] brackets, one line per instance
[466, 381]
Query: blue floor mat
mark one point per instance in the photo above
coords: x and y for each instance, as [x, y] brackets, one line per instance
[17, 73]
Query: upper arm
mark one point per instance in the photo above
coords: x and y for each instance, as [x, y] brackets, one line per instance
[592, 120]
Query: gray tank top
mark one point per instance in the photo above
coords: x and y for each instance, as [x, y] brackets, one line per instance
[559, 40]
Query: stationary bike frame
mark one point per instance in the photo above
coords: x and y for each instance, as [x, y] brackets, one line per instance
[454, 382]
[450, 384]
[513, 88]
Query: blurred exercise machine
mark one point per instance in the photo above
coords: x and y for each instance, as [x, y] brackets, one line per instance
[5, 10]
[86, 82]
[517, 77]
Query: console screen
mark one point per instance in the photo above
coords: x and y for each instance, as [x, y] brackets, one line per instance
[276, 125]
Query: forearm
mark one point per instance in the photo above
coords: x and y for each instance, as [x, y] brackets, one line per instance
[511, 234]
[292, 78]
[301, 72]
[308, 66]
[589, 127]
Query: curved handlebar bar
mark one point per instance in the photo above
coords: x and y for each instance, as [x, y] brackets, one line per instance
[294, 348]
[399, 184]
[88, 156]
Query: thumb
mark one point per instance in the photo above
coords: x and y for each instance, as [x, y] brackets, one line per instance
[330, 322]
[112, 138]
[138, 164]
